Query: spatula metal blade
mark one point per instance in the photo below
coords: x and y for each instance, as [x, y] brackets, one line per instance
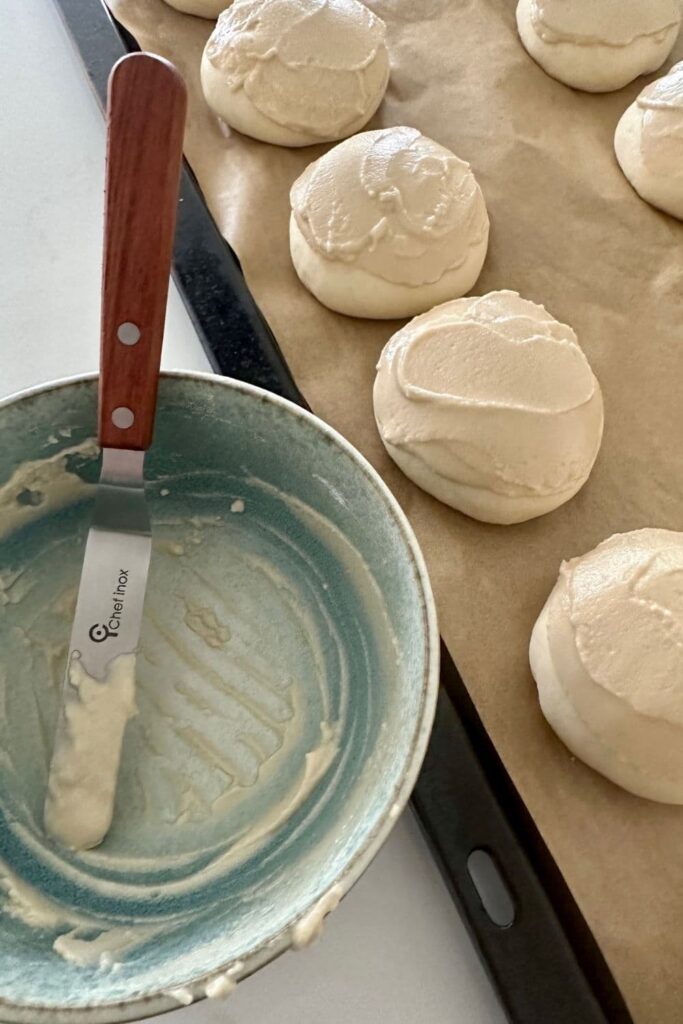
[111, 594]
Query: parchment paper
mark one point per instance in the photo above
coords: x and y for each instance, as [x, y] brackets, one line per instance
[566, 231]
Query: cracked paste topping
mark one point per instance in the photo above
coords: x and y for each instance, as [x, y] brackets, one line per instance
[661, 142]
[603, 22]
[305, 64]
[624, 601]
[494, 393]
[394, 203]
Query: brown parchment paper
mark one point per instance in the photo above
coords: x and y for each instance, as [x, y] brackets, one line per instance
[566, 231]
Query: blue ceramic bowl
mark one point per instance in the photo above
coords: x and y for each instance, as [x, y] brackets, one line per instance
[286, 686]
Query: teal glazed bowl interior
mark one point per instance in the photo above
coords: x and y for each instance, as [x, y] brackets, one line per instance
[286, 683]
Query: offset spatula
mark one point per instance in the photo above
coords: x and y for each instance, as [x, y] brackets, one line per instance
[146, 117]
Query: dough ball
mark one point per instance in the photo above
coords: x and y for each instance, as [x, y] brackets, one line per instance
[598, 45]
[202, 8]
[387, 224]
[295, 72]
[649, 143]
[490, 405]
[607, 657]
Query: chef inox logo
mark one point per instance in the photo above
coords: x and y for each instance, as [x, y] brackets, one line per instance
[103, 630]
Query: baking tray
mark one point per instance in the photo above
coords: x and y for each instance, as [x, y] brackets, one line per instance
[545, 964]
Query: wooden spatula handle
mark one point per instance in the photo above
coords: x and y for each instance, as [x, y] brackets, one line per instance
[145, 120]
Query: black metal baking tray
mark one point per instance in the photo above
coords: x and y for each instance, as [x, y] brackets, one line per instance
[546, 964]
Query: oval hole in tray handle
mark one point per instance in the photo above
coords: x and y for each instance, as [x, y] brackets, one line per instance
[492, 889]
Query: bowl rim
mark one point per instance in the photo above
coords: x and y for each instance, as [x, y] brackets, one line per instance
[139, 1007]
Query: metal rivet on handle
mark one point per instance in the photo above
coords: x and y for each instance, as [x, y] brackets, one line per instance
[128, 333]
[123, 417]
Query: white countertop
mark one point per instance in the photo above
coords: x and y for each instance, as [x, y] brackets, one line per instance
[396, 950]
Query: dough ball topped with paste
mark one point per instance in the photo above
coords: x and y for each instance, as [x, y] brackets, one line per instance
[387, 224]
[607, 656]
[490, 405]
[598, 45]
[296, 72]
[649, 143]
[202, 8]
